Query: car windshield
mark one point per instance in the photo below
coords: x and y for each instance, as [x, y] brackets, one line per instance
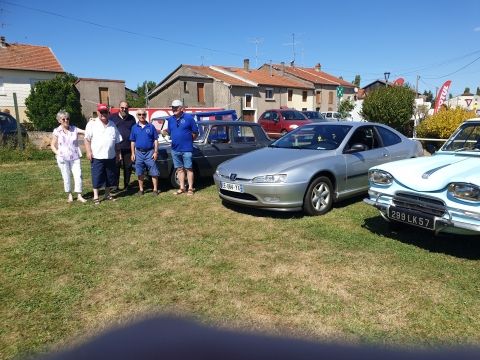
[467, 138]
[314, 137]
[293, 115]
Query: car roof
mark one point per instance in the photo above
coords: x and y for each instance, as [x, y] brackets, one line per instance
[227, 122]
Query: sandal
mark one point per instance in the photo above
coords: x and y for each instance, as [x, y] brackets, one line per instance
[179, 192]
[190, 192]
[96, 201]
[109, 198]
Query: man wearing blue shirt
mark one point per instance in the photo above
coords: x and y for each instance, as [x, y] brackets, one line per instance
[183, 131]
[144, 146]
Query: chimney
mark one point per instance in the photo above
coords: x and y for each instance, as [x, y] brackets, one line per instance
[283, 67]
[246, 64]
[318, 67]
[2, 42]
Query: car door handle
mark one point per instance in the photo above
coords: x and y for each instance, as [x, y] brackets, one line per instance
[385, 155]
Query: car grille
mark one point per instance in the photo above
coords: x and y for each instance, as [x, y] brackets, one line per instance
[236, 195]
[420, 203]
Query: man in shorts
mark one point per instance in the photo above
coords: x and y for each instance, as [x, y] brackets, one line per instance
[183, 131]
[101, 135]
[144, 146]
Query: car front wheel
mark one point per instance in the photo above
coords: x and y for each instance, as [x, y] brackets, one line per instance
[318, 199]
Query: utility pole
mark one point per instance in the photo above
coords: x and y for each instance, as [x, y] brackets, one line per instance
[416, 87]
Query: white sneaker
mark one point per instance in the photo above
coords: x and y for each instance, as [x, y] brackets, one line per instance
[70, 198]
[81, 199]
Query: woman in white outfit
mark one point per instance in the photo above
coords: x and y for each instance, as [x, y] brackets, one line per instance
[65, 146]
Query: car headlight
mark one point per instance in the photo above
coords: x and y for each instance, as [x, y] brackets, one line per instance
[277, 178]
[380, 177]
[292, 127]
[464, 191]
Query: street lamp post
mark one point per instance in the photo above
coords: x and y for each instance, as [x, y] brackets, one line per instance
[386, 75]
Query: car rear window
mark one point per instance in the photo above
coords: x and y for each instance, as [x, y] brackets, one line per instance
[389, 138]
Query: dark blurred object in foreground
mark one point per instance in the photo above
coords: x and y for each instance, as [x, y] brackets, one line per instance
[175, 339]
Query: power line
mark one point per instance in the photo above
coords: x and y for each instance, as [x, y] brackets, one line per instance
[51, 13]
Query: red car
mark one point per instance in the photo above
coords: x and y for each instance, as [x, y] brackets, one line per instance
[277, 122]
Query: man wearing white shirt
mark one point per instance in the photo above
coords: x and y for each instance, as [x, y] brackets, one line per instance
[101, 135]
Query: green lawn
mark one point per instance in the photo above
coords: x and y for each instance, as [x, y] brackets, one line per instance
[68, 271]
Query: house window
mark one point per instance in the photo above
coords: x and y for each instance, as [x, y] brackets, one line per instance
[304, 96]
[318, 97]
[2, 86]
[290, 94]
[330, 97]
[248, 100]
[103, 95]
[201, 93]
[185, 87]
[269, 94]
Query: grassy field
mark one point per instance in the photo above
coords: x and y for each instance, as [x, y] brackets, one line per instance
[68, 271]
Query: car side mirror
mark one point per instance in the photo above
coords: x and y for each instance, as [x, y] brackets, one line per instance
[357, 147]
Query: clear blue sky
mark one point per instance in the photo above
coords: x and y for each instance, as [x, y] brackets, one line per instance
[146, 40]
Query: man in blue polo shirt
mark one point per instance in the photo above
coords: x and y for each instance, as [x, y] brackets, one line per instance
[183, 131]
[144, 146]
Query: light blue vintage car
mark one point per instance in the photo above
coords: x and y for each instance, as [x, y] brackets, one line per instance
[440, 192]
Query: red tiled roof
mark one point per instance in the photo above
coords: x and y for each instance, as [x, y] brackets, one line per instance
[29, 57]
[315, 76]
[263, 77]
[205, 70]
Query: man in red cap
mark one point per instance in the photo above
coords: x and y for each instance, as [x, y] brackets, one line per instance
[101, 135]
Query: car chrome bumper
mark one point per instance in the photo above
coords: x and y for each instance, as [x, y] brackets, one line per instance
[442, 224]
[276, 197]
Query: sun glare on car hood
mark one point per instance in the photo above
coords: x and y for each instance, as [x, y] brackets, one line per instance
[433, 173]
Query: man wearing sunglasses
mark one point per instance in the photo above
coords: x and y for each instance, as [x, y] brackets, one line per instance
[124, 122]
[183, 131]
[144, 147]
[101, 135]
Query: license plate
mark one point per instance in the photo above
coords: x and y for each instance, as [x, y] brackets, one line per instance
[232, 187]
[411, 217]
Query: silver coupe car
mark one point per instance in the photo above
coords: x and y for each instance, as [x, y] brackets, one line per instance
[311, 167]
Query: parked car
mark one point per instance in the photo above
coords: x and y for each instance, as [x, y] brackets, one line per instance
[315, 116]
[332, 115]
[311, 167]
[440, 193]
[217, 141]
[225, 115]
[277, 122]
[8, 130]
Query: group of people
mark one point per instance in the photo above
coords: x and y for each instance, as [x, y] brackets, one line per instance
[118, 141]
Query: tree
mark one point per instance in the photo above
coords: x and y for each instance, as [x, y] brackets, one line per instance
[467, 92]
[478, 91]
[140, 100]
[356, 82]
[50, 96]
[442, 124]
[345, 107]
[428, 96]
[390, 105]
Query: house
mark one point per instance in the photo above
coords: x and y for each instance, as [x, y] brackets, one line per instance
[249, 92]
[465, 101]
[94, 91]
[324, 85]
[21, 66]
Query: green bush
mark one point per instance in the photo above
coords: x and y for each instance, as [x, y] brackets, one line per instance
[12, 154]
[442, 124]
[392, 106]
[50, 96]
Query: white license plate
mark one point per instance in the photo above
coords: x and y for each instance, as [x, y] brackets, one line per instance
[232, 187]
